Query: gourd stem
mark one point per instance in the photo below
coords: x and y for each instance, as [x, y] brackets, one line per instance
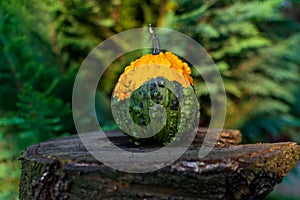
[155, 41]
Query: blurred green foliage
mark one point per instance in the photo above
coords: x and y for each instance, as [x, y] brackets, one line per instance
[43, 43]
[255, 48]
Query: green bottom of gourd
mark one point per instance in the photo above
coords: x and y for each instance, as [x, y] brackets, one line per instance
[144, 105]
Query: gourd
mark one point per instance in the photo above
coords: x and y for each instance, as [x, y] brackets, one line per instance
[154, 89]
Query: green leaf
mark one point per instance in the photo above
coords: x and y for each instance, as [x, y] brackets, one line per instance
[11, 121]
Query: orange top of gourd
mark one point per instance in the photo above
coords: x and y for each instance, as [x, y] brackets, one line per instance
[151, 66]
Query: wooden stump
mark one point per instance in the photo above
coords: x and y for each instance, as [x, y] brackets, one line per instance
[63, 169]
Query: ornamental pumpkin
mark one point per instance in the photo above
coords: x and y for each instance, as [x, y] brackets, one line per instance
[155, 96]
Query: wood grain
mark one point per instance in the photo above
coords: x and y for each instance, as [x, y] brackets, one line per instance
[63, 169]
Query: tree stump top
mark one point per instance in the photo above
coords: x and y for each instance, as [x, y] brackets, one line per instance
[62, 168]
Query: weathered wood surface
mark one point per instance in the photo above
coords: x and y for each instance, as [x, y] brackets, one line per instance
[63, 169]
[227, 137]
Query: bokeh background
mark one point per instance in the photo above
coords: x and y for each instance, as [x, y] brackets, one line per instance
[254, 43]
